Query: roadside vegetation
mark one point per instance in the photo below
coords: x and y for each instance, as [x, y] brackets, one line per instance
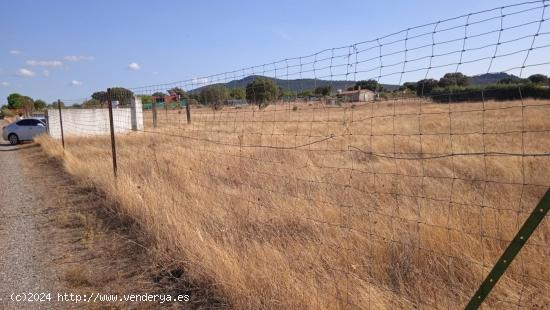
[332, 225]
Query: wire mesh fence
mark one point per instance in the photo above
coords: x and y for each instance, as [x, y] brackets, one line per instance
[374, 175]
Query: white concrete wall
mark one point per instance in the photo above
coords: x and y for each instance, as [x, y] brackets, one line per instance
[86, 122]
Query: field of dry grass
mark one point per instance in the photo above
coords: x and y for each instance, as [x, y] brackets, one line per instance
[359, 206]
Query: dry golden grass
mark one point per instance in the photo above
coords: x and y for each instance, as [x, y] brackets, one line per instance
[300, 208]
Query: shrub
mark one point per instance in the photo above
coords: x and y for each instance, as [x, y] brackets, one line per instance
[498, 92]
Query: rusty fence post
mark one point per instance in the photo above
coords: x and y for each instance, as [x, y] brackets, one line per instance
[188, 110]
[154, 108]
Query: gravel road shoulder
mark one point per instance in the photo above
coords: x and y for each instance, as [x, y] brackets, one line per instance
[25, 255]
[60, 236]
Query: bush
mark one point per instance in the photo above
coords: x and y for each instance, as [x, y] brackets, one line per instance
[498, 92]
[261, 91]
[6, 112]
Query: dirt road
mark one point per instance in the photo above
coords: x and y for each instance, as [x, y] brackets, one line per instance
[25, 257]
[60, 236]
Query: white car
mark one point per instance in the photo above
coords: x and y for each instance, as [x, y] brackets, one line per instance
[23, 130]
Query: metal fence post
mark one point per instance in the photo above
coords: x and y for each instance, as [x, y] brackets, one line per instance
[511, 251]
[61, 122]
[47, 117]
[112, 127]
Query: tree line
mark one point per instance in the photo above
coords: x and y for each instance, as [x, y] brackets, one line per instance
[18, 103]
[452, 87]
[261, 91]
[457, 87]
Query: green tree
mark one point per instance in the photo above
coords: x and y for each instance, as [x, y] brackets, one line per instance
[323, 90]
[122, 95]
[5, 111]
[92, 103]
[39, 104]
[538, 79]
[453, 79]
[158, 96]
[101, 97]
[54, 104]
[262, 91]
[305, 94]
[28, 105]
[237, 93]
[213, 95]
[145, 99]
[410, 86]
[425, 86]
[176, 91]
[371, 85]
[289, 95]
[511, 80]
[16, 101]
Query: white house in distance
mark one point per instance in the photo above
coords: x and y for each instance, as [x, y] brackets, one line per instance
[360, 95]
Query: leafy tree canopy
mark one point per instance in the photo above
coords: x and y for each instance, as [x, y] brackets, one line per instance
[237, 93]
[306, 93]
[39, 104]
[425, 86]
[410, 86]
[92, 103]
[323, 90]
[538, 79]
[54, 104]
[16, 101]
[511, 80]
[371, 85]
[176, 91]
[146, 99]
[261, 91]
[453, 79]
[158, 96]
[122, 95]
[213, 95]
[100, 96]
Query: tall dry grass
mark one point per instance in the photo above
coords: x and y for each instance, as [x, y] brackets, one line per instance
[308, 207]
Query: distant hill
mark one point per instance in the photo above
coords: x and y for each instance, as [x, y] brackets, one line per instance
[490, 78]
[296, 85]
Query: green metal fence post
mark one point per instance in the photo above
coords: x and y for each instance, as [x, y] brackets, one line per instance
[511, 251]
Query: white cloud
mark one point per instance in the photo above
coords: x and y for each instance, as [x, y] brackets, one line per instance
[76, 83]
[44, 63]
[15, 52]
[25, 73]
[78, 58]
[46, 73]
[155, 73]
[5, 84]
[133, 66]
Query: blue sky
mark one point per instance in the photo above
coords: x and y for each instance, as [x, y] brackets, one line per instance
[68, 49]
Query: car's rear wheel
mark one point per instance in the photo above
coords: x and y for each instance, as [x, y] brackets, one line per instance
[14, 139]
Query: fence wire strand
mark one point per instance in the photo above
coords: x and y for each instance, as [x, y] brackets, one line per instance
[370, 198]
